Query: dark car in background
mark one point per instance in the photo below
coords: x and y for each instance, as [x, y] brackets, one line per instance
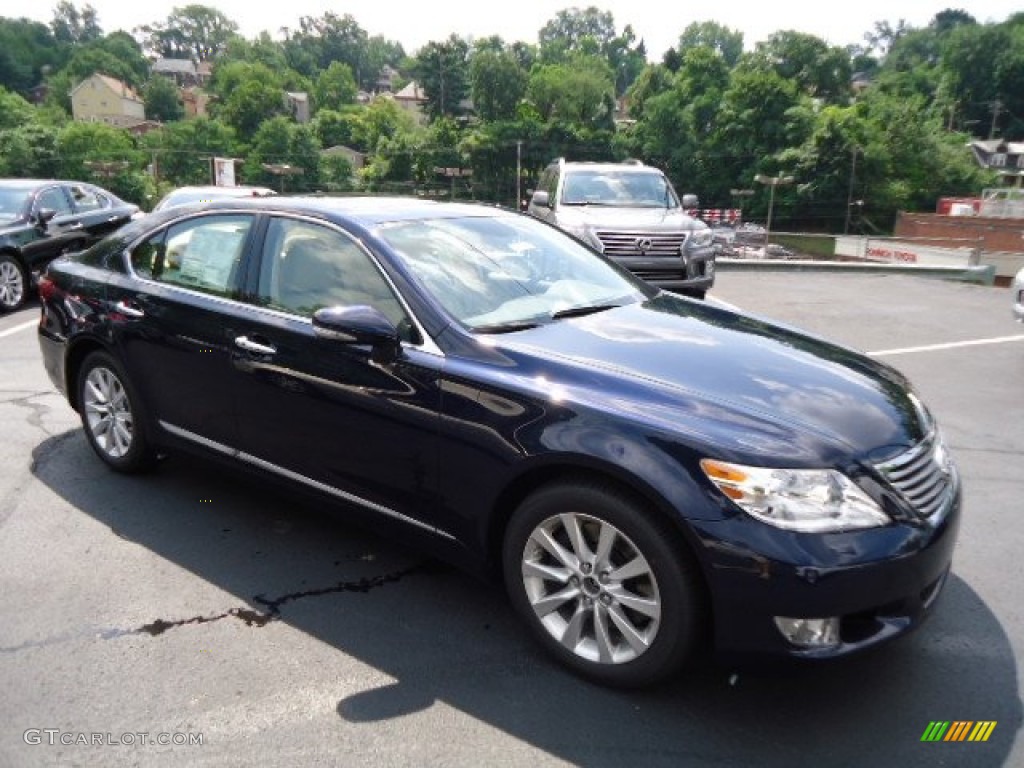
[644, 471]
[39, 220]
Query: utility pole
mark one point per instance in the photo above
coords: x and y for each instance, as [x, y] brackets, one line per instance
[519, 173]
[997, 107]
[849, 193]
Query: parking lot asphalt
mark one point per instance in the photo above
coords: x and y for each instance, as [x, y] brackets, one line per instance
[198, 601]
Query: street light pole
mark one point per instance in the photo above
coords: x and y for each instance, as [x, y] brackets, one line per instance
[519, 173]
[771, 182]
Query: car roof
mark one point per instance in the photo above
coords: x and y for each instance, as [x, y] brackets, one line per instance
[240, 189]
[616, 167]
[33, 183]
[367, 211]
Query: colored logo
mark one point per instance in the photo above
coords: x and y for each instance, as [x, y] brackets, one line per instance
[958, 730]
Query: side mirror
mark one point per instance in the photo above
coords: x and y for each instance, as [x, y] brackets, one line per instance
[358, 324]
[540, 198]
[44, 216]
[690, 201]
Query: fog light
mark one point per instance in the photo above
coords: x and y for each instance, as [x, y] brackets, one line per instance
[809, 633]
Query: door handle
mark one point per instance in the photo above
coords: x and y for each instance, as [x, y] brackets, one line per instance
[244, 342]
[129, 311]
[74, 225]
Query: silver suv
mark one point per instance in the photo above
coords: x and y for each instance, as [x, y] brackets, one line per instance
[630, 212]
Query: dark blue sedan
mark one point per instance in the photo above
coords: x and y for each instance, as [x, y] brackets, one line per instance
[644, 471]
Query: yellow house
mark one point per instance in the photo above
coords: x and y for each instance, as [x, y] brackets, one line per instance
[101, 98]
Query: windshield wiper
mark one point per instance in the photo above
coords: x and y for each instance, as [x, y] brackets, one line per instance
[589, 309]
[510, 327]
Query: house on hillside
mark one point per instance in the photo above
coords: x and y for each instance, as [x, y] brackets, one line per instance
[101, 98]
[411, 99]
[298, 104]
[1004, 157]
[181, 71]
[355, 158]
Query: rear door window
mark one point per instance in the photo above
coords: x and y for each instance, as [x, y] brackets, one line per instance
[203, 254]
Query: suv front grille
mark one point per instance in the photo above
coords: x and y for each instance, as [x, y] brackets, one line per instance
[923, 476]
[629, 243]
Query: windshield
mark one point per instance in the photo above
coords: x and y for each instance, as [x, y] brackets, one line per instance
[12, 203]
[506, 273]
[636, 189]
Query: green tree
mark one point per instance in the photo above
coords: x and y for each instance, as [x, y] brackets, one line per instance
[580, 92]
[498, 82]
[576, 31]
[182, 150]
[26, 49]
[336, 128]
[14, 110]
[196, 32]
[74, 26]
[279, 141]
[29, 150]
[335, 87]
[81, 144]
[817, 69]
[726, 42]
[246, 95]
[163, 102]
[442, 70]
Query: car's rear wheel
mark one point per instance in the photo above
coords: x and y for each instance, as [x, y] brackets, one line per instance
[13, 283]
[603, 585]
[112, 415]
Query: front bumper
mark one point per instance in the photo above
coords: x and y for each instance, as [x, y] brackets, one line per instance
[696, 272]
[880, 583]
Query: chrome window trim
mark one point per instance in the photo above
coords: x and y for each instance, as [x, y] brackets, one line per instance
[297, 477]
[428, 345]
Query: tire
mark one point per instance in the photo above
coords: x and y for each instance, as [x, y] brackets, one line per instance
[112, 415]
[624, 627]
[13, 283]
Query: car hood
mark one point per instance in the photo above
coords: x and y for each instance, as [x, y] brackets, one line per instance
[606, 217]
[744, 388]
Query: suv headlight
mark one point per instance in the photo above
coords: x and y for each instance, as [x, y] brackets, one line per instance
[807, 500]
[700, 237]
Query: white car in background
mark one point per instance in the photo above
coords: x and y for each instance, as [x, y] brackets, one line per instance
[1018, 296]
[186, 195]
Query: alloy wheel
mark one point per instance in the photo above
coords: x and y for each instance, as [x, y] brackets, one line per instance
[108, 412]
[591, 588]
[12, 284]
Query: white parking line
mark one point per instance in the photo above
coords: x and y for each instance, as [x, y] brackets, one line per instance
[951, 345]
[22, 327]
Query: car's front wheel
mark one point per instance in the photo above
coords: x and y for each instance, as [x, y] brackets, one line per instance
[112, 415]
[13, 283]
[603, 585]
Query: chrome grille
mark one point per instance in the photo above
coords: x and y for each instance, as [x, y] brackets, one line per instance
[923, 476]
[628, 243]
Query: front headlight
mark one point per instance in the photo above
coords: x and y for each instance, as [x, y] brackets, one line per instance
[701, 237]
[808, 500]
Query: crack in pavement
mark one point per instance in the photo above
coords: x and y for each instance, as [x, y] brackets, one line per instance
[39, 410]
[252, 618]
